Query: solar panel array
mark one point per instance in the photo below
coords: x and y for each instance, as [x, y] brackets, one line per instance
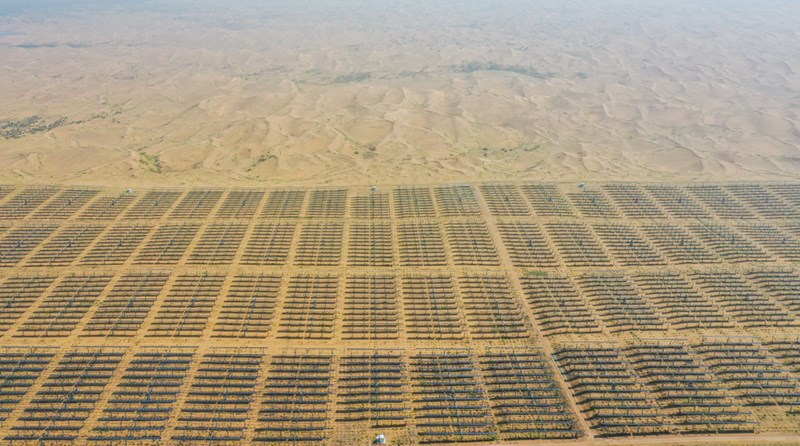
[431, 314]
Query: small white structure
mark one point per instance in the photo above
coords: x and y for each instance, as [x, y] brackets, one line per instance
[130, 191]
[380, 439]
[582, 185]
[374, 188]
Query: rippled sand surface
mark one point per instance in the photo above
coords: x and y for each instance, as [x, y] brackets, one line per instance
[406, 91]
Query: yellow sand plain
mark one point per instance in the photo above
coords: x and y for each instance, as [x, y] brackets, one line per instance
[309, 94]
[322, 92]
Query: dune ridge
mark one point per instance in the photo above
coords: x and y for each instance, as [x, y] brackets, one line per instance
[375, 93]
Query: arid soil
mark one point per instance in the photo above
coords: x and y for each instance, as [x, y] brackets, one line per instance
[367, 92]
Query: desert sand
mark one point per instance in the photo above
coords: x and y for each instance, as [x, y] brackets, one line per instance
[363, 92]
[317, 221]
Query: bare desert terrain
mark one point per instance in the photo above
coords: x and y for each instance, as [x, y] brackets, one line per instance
[454, 222]
[363, 92]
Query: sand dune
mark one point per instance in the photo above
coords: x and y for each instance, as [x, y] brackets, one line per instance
[402, 93]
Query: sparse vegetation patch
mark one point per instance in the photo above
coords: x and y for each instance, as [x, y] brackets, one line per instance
[472, 67]
[17, 128]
